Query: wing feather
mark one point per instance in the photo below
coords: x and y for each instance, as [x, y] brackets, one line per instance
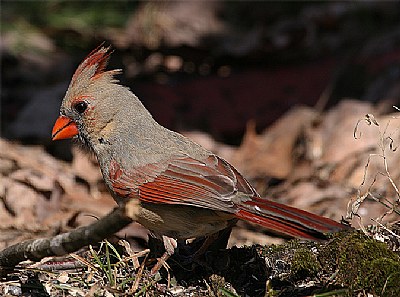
[211, 183]
[216, 185]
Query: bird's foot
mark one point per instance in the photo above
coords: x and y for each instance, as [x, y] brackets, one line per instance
[170, 245]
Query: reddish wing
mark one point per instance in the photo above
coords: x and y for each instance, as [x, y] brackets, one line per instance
[211, 183]
[214, 184]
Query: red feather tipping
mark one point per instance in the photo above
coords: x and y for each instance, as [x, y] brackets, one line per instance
[97, 58]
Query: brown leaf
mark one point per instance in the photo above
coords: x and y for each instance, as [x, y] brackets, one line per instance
[271, 153]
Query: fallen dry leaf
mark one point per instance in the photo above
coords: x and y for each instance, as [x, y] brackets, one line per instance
[271, 153]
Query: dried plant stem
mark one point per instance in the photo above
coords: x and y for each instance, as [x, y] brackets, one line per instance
[385, 141]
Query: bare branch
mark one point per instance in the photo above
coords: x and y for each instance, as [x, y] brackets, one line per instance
[65, 243]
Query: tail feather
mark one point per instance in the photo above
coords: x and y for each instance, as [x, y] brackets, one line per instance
[287, 220]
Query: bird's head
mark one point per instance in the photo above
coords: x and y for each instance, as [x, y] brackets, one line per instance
[88, 108]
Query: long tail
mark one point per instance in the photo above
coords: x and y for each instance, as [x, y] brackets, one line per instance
[286, 220]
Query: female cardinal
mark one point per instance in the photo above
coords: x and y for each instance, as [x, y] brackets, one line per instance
[184, 190]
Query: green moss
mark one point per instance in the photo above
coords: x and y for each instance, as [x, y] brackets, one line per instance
[384, 276]
[348, 260]
[362, 263]
[220, 287]
[304, 264]
[280, 249]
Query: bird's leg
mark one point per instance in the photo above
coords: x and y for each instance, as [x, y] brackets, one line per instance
[189, 252]
[213, 242]
[200, 246]
[170, 245]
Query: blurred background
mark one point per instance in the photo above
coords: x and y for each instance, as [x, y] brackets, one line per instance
[224, 73]
[209, 66]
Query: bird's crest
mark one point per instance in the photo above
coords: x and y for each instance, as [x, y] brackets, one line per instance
[93, 68]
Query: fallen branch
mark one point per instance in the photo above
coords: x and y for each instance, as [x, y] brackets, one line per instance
[65, 243]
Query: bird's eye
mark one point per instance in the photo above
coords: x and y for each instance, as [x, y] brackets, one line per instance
[80, 106]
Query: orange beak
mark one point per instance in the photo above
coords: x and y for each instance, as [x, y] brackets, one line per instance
[64, 128]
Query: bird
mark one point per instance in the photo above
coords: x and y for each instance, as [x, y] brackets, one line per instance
[184, 190]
